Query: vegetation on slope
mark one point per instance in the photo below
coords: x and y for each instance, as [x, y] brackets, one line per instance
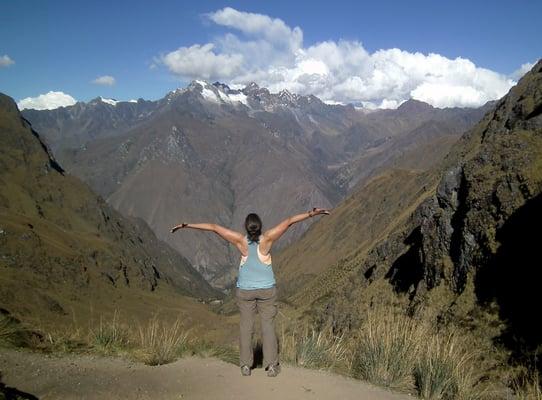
[461, 256]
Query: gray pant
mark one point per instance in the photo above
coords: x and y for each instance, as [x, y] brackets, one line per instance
[263, 301]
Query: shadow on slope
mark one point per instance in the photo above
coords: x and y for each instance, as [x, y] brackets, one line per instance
[513, 279]
[407, 271]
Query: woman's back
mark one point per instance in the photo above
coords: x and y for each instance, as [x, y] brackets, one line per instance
[255, 269]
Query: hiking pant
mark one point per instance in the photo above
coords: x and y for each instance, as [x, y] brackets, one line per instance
[264, 302]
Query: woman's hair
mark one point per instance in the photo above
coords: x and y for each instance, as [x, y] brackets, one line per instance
[253, 225]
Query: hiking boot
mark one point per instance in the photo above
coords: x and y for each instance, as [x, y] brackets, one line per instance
[245, 370]
[273, 370]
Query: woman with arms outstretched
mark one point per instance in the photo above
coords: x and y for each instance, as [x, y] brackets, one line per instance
[256, 290]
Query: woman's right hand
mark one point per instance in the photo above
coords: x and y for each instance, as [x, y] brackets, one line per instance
[318, 211]
[177, 227]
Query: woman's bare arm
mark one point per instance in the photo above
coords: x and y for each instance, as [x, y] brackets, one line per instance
[272, 235]
[233, 237]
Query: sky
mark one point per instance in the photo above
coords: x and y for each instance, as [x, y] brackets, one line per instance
[375, 54]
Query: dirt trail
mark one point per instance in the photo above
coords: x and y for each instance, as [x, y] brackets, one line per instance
[93, 377]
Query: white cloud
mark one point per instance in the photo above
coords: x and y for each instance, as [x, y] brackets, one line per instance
[47, 101]
[272, 54]
[518, 73]
[200, 61]
[106, 80]
[6, 61]
[258, 25]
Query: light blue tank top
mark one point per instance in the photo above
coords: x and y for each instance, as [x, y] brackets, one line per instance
[253, 273]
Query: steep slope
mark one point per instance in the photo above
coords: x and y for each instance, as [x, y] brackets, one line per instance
[359, 222]
[63, 248]
[211, 153]
[470, 245]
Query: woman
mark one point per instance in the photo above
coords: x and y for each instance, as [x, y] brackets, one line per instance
[256, 290]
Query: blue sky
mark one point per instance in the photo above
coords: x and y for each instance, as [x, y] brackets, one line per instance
[65, 45]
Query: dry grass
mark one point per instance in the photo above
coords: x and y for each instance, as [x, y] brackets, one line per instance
[62, 341]
[396, 351]
[528, 387]
[12, 333]
[390, 349]
[110, 336]
[317, 350]
[154, 342]
[387, 347]
[206, 349]
[161, 343]
[446, 369]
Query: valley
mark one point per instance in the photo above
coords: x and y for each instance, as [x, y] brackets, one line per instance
[211, 153]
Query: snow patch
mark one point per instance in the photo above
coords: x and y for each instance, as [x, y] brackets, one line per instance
[207, 93]
[240, 97]
[113, 102]
[333, 103]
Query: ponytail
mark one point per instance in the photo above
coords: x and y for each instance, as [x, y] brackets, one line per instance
[253, 226]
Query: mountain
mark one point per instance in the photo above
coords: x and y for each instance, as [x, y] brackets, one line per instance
[63, 248]
[211, 153]
[460, 240]
[72, 127]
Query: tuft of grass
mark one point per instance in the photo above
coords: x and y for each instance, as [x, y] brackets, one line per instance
[66, 341]
[387, 348]
[110, 336]
[12, 333]
[528, 387]
[445, 369]
[315, 349]
[399, 352]
[161, 343]
[229, 354]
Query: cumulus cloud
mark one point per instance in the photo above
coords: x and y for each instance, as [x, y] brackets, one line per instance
[106, 80]
[6, 61]
[273, 30]
[202, 62]
[518, 73]
[47, 101]
[267, 51]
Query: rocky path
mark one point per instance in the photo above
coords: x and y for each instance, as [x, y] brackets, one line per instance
[92, 377]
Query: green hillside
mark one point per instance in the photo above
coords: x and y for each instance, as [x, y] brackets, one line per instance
[64, 253]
